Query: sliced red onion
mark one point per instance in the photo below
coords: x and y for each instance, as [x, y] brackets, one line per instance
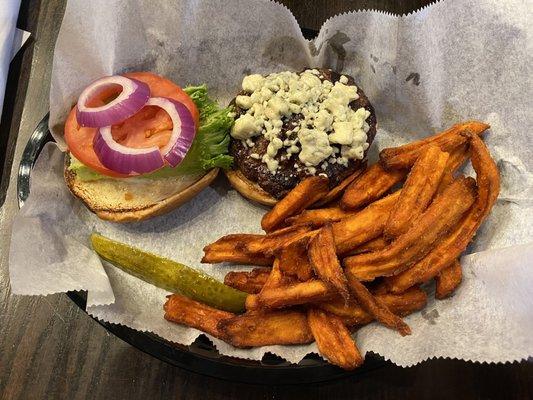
[183, 129]
[129, 160]
[126, 160]
[133, 97]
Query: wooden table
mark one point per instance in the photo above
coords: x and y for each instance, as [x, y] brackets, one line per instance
[51, 349]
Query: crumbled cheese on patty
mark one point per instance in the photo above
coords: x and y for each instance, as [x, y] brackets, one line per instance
[328, 121]
[245, 127]
[315, 146]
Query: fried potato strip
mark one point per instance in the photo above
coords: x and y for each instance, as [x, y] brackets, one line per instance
[250, 249]
[293, 260]
[294, 294]
[457, 158]
[376, 244]
[318, 217]
[353, 314]
[370, 186]
[418, 190]
[235, 256]
[307, 192]
[376, 307]
[255, 329]
[252, 302]
[248, 281]
[440, 217]
[273, 242]
[365, 225]
[448, 280]
[333, 339]
[449, 249]
[338, 190]
[229, 249]
[275, 279]
[403, 157]
[182, 310]
[323, 258]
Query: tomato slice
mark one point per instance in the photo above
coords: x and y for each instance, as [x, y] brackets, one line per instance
[149, 127]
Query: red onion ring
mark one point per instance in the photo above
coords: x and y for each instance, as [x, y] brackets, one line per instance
[183, 129]
[133, 97]
[134, 161]
[123, 159]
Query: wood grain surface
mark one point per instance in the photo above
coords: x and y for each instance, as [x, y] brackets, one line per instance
[50, 349]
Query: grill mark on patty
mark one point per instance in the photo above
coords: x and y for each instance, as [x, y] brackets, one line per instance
[287, 177]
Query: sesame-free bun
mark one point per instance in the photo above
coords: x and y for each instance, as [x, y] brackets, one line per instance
[135, 199]
[247, 188]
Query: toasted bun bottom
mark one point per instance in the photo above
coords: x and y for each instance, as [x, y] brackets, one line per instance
[136, 199]
[249, 189]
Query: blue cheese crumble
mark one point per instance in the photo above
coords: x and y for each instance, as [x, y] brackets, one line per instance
[327, 119]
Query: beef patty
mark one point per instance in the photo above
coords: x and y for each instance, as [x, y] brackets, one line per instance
[288, 175]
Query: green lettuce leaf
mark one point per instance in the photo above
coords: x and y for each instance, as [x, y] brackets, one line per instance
[209, 148]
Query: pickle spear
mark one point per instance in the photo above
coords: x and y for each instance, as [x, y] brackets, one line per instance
[169, 275]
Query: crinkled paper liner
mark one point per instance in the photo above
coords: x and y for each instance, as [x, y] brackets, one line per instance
[423, 72]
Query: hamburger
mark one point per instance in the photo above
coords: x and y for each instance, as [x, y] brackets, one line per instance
[140, 146]
[290, 125]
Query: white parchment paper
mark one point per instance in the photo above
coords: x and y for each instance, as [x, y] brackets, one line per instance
[423, 72]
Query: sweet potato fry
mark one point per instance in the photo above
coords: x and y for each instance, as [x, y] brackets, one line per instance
[231, 241]
[271, 243]
[229, 249]
[275, 278]
[457, 158]
[255, 329]
[323, 258]
[378, 288]
[293, 260]
[293, 294]
[448, 279]
[182, 310]
[449, 249]
[375, 307]
[418, 190]
[350, 312]
[434, 224]
[404, 156]
[353, 314]
[376, 244]
[370, 186]
[252, 302]
[307, 192]
[333, 339]
[318, 217]
[247, 281]
[252, 249]
[338, 190]
[405, 303]
[366, 225]
[236, 256]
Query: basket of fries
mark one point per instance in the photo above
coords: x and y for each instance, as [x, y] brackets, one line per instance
[360, 255]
